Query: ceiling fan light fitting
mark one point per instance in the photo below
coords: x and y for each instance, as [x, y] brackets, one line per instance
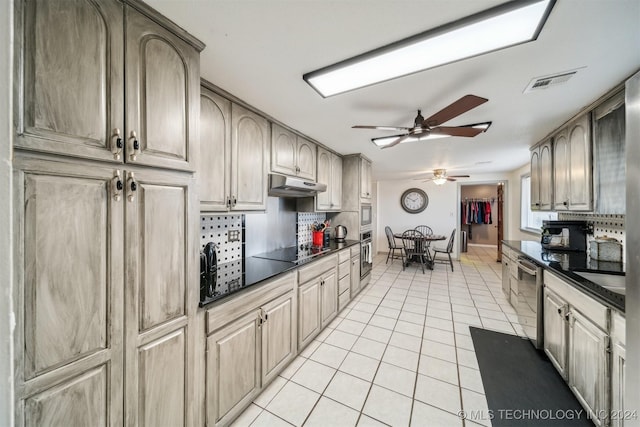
[503, 26]
[439, 181]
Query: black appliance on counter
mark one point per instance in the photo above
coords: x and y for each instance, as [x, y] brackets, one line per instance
[208, 271]
[565, 235]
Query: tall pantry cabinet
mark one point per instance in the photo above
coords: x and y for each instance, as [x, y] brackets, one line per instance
[105, 237]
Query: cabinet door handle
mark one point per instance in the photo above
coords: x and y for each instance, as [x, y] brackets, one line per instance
[116, 144]
[228, 201]
[234, 200]
[135, 146]
[132, 187]
[116, 186]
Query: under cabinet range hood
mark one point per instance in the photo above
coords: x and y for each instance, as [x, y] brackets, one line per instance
[287, 186]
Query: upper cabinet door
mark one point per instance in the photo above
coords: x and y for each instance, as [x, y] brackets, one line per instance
[336, 182]
[561, 171]
[215, 151]
[546, 176]
[69, 89]
[249, 139]
[365, 179]
[535, 179]
[283, 150]
[306, 159]
[163, 87]
[579, 134]
[323, 199]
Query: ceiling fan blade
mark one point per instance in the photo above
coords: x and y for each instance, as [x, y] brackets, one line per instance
[380, 127]
[462, 105]
[458, 176]
[448, 178]
[397, 141]
[457, 131]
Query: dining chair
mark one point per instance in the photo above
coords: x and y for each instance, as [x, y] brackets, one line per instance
[447, 251]
[424, 229]
[413, 247]
[393, 246]
[427, 231]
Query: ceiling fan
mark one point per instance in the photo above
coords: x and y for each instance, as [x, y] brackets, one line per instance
[440, 177]
[423, 128]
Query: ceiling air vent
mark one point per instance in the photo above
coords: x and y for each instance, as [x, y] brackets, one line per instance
[539, 83]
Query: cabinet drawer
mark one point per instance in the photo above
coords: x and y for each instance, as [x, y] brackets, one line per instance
[355, 251]
[344, 283]
[344, 268]
[589, 307]
[343, 300]
[316, 268]
[506, 252]
[344, 255]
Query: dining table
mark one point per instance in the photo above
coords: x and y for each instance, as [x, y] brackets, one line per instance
[426, 239]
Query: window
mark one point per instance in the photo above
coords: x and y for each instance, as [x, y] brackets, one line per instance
[529, 220]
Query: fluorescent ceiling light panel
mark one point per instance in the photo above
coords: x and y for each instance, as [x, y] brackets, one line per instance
[506, 25]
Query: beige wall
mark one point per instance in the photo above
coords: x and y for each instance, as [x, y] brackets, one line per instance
[515, 233]
[482, 234]
[6, 259]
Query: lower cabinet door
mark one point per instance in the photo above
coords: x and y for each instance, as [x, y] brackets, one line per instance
[588, 366]
[308, 312]
[617, 384]
[278, 336]
[555, 331]
[355, 276]
[329, 303]
[233, 369]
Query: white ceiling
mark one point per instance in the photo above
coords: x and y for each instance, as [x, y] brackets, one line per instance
[258, 50]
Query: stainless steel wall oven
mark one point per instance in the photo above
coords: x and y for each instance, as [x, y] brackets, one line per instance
[366, 255]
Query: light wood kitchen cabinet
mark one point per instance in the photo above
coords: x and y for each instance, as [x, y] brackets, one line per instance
[249, 152]
[79, 48]
[105, 289]
[609, 160]
[233, 368]
[250, 340]
[588, 364]
[317, 297]
[618, 356]
[344, 278]
[572, 166]
[291, 154]
[365, 180]
[555, 330]
[355, 270]
[578, 344]
[232, 165]
[214, 158]
[541, 177]
[330, 173]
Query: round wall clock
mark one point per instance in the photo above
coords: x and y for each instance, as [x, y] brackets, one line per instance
[414, 200]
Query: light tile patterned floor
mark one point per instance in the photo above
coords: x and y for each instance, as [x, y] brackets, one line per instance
[399, 354]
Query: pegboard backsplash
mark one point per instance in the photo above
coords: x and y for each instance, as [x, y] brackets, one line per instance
[227, 231]
[304, 222]
[609, 225]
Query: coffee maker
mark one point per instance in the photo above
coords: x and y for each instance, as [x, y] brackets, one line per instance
[565, 235]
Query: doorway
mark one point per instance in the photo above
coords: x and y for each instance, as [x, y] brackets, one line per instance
[482, 216]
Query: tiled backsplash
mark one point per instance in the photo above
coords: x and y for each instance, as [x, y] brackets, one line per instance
[304, 223]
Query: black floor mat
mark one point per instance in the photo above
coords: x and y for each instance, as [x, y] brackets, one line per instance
[521, 385]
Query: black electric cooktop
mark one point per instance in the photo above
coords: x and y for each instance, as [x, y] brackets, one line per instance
[294, 254]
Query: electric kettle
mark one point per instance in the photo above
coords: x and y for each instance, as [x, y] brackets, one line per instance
[341, 233]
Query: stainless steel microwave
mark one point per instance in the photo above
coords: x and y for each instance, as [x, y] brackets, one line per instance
[365, 216]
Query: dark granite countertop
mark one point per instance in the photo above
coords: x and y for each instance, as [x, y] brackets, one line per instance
[566, 264]
[236, 276]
